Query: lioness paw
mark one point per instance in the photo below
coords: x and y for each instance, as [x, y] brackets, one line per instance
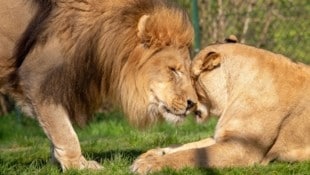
[152, 160]
[146, 164]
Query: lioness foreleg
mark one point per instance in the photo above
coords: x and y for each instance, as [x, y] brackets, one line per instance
[66, 147]
[193, 145]
[176, 148]
[220, 154]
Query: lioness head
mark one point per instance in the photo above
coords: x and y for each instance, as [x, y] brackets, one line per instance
[161, 68]
[210, 84]
[209, 81]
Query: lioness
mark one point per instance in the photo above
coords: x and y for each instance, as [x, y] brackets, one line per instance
[60, 58]
[263, 103]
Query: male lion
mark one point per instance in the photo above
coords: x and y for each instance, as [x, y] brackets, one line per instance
[60, 58]
[263, 100]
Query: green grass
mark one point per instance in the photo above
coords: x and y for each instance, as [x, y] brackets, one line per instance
[24, 149]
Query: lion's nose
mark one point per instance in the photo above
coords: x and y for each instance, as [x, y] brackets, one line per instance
[190, 104]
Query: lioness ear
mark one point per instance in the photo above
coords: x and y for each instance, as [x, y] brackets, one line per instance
[205, 62]
[211, 61]
[141, 27]
[231, 39]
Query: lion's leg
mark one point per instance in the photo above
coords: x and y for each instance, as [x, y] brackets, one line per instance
[66, 148]
[221, 154]
[6, 47]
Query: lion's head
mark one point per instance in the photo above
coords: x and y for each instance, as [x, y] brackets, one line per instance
[156, 80]
[163, 85]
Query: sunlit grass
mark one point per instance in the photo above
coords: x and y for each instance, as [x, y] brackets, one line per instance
[24, 149]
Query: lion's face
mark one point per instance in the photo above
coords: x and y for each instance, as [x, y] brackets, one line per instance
[170, 91]
[155, 79]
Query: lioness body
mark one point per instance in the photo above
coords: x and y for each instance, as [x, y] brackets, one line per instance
[263, 103]
[61, 58]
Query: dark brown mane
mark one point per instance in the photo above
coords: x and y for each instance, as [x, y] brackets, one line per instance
[77, 85]
[97, 50]
[30, 36]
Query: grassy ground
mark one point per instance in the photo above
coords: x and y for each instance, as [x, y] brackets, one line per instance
[24, 149]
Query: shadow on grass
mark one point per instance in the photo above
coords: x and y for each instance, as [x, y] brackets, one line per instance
[130, 154]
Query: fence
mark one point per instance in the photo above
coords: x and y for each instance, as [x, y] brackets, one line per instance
[282, 26]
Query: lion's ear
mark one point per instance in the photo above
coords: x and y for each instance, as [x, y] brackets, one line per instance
[141, 27]
[211, 61]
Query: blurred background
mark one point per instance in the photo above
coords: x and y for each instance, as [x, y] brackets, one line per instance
[282, 26]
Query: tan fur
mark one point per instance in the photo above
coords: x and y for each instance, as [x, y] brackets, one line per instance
[61, 58]
[263, 103]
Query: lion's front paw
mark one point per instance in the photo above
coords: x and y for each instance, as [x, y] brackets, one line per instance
[148, 162]
[94, 165]
[80, 163]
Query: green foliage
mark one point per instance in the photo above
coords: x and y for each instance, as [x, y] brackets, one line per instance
[281, 26]
[109, 139]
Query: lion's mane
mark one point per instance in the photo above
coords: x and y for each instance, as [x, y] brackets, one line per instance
[102, 50]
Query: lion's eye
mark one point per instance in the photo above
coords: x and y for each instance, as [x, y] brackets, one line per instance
[172, 69]
[175, 71]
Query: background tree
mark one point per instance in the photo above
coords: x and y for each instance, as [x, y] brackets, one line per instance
[281, 26]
